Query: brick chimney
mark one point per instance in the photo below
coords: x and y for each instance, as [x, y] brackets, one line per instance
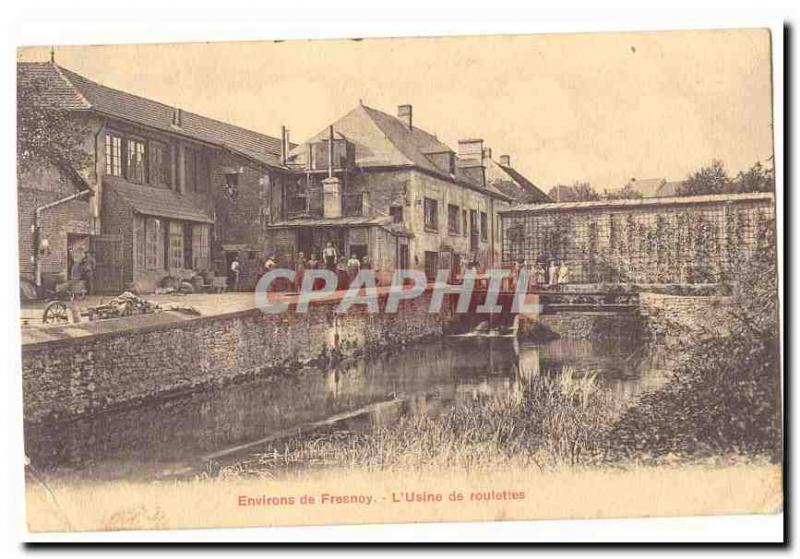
[470, 159]
[505, 160]
[471, 151]
[404, 114]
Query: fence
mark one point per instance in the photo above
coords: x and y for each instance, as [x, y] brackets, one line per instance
[698, 239]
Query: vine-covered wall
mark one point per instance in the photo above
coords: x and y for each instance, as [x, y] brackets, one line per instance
[701, 239]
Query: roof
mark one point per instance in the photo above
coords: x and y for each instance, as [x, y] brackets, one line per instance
[386, 222]
[381, 140]
[158, 202]
[671, 201]
[655, 188]
[669, 188]
[521, 189]
[71, 91]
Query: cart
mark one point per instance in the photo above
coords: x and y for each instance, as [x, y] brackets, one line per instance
[126, 304]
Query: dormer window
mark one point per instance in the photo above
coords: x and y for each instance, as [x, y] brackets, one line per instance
[444, 160]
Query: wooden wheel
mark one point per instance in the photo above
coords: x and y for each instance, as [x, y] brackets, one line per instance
[56, 312]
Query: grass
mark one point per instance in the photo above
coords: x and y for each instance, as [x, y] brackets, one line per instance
[546, 422]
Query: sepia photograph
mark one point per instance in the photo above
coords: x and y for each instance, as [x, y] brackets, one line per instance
[405, 279]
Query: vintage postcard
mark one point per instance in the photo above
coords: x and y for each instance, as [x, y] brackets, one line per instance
[399, 280]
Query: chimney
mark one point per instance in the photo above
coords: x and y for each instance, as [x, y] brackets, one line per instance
[470, 155]
[505, 160]
[177, 117]
[471, 151]
[404, 113]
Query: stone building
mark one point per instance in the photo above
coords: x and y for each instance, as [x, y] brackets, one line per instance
[168, 192]
[692, 239]
[379, 185]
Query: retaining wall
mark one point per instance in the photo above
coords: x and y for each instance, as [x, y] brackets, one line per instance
[71, 377]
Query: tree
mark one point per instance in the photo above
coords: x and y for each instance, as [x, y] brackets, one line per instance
[577, 192]
[707, 180]
[47, 134]
[756, 179]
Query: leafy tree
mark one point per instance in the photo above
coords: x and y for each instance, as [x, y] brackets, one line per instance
[577, 192]
[47, 134]
[707, 180]
[756, 179]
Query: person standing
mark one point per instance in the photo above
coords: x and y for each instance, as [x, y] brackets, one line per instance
[563, 276]
[235, 269]
[330, 257]
[299, 271]
[353, 266]
[88, 267]
[552, 274]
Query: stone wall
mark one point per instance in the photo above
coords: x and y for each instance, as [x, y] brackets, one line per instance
[581, 326]
[671, 318]
[698, 239]
[67, 378]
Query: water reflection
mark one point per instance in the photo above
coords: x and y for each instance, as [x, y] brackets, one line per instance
[154, 439]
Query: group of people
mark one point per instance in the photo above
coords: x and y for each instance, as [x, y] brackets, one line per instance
[555, 275]
[346, 268]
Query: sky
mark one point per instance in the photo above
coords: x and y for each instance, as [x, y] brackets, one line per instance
[599, 107]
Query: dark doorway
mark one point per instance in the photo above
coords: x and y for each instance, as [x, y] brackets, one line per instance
[108, 274]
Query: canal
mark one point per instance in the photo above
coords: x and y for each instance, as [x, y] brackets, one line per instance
[177, 436]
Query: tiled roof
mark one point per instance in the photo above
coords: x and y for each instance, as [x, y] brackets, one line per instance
[157, 202]
[381, 140]
[498, 176]
[74, 92]
[624, 203]
[669, 188]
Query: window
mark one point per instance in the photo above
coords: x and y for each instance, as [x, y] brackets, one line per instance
[196, 169]
[453, 220]
[135, 162]
[201, 247]
[159, 164]
[431, 214]
[154, 244]
[484, 227]
[352, 205]
[396, 212]
[464, 223]
[231, 185]
[175, 244]
[113, 155]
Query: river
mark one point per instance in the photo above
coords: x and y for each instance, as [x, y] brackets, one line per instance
[176, 436]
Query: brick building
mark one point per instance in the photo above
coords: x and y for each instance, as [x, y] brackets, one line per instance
[378, 185]
[169, 192]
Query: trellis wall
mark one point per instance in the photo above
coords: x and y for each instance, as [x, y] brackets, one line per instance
[697, 240]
